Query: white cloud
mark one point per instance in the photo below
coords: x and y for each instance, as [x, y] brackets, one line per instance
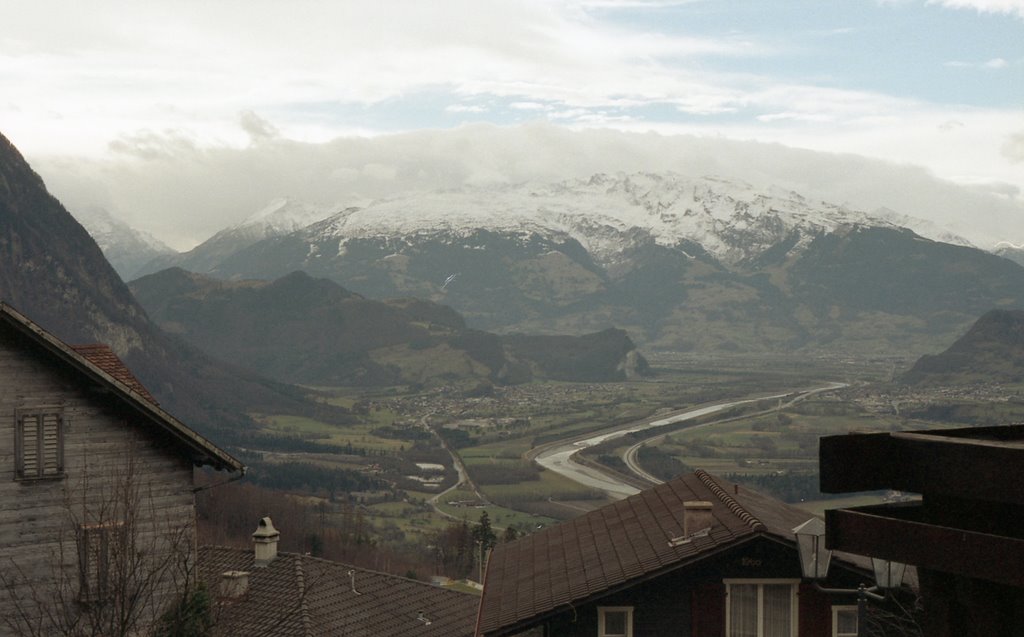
[1013, 148]
[1011, 7]
[529, 106]
[993, 64]
[105, 70]
[257, 128]
[465, 108]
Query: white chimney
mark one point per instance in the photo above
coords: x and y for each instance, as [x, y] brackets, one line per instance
[234, 584]
[265, 541]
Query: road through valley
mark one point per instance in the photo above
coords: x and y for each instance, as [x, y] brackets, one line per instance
[558, 457]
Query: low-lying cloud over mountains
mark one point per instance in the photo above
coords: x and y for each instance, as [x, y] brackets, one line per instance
[183, 193]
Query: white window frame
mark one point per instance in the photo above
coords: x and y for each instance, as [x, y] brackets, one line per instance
[835, 620]
[794, 601]
[602, 610]
[47, 425]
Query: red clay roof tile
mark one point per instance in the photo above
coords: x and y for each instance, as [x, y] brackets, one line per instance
[103, 357]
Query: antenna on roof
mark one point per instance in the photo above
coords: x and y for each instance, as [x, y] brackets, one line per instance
[352, 579]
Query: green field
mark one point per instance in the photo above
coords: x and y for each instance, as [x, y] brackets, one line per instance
[356, 435]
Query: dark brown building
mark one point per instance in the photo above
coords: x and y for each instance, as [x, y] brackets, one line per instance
[966, 532]
[694, 557]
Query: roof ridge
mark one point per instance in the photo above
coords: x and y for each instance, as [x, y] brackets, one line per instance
[727, 499]
[300, 583]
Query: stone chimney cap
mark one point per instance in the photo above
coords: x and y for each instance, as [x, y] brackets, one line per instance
[265, 530]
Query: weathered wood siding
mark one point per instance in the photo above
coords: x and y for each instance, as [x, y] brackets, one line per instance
[105, 448]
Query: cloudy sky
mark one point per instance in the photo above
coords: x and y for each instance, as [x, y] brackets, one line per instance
[182, 117]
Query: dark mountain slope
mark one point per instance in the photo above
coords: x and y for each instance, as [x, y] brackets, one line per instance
[991, 351]
[53, 271]
[306, 330]
[896, 271]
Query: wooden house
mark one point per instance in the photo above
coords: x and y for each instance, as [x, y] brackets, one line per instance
[97, 515]
[694, 557]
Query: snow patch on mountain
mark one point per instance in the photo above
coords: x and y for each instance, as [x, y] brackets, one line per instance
[923, 227]
[126, 248]
[282, 216]
[109, 231]
[730, 219]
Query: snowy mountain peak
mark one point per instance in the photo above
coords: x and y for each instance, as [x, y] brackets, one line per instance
[284, 215]
[126, 248]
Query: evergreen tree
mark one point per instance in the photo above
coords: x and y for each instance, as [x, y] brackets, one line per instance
[484, 534]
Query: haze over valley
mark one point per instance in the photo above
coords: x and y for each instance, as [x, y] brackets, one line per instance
[510, 262]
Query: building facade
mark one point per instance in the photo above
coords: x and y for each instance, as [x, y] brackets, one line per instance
[97, 516]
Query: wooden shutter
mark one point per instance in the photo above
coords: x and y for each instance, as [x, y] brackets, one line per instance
[52, 447]
[28, 440]
[94, 554]
[39, 444]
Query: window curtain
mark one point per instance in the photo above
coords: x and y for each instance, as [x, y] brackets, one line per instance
[743, 610]
[778, 610]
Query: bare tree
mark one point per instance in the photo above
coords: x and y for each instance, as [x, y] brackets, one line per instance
[899, 616]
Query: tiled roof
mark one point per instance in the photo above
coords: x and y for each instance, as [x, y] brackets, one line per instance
[303, 596]
[624, 541]
[103, 357]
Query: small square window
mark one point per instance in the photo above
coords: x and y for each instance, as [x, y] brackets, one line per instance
[39, 443]
[844, 621]
[615, 621]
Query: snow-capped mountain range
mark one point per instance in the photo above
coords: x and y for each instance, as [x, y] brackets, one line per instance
[729, 219]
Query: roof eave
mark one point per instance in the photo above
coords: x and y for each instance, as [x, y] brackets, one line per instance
[205, 453]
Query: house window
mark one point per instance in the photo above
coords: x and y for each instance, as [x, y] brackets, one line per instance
[39, 444]
[614, 621]
[844, 621]
[761, 608]
[98, 548]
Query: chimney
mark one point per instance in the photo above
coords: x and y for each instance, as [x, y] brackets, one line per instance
[696, 517]
[265, 541]
[234, 584]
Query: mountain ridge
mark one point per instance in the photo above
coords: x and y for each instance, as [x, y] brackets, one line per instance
[991, 351]
[306, 330]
